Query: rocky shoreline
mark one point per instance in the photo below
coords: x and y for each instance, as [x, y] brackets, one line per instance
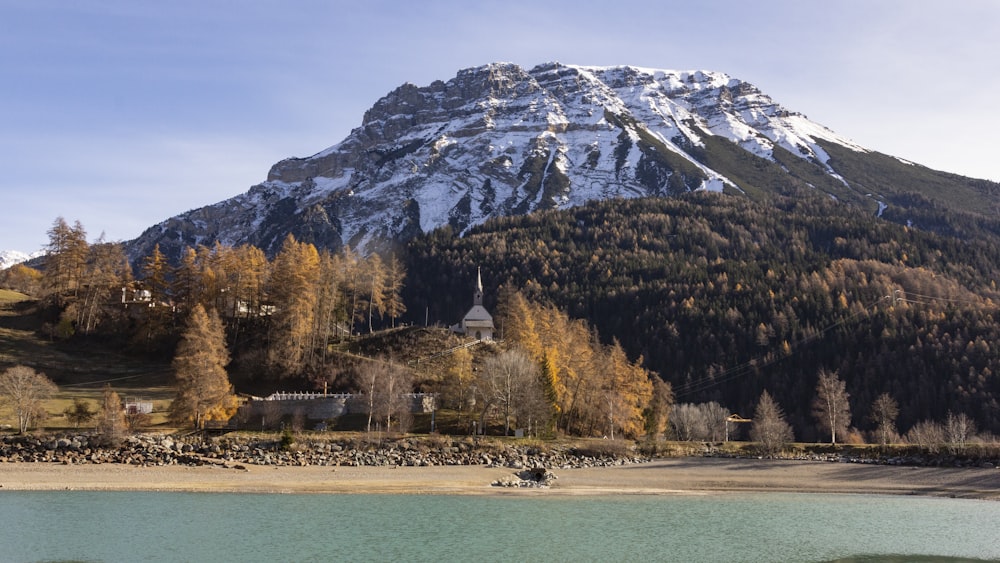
[238, 451]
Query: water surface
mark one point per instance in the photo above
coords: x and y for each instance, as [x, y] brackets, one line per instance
[155, 526]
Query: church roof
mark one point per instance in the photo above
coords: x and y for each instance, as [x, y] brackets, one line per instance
[478, 313]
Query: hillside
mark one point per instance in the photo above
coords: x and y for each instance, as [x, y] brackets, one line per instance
[724, 297]
[82, 365]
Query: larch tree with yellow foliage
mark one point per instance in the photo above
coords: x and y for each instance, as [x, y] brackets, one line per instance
[627, 392]
[292, 339]
[203, 391]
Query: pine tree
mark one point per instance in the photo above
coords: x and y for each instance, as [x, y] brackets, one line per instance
[202, 385]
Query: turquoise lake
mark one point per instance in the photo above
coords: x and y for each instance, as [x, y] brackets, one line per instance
[131, 526]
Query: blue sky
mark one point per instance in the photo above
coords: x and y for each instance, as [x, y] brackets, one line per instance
[122, 113]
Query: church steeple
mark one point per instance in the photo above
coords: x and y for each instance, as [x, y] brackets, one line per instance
[477, 297]
[477, 323]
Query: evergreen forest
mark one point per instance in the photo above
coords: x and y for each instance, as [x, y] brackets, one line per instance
[726, 298]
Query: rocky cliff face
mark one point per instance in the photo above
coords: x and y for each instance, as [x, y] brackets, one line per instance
[499, 140]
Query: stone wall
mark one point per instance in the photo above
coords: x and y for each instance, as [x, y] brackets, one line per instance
[317, 406]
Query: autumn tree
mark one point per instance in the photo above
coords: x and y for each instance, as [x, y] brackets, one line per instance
[65, 256]
[457, 382]
[354, 287]
[106, 272]
[328, 297]
[156, 321]
[627, 390]
[395, 277]
[292, 334]
[883, 415]
[111, 425]
[594, 389]
[202, 385]
[769, 428]
[657, 413]
[519, 323]
[25, 390]
[831, 407]
[376, 286]
[22, 278]
[246, 270]
[187, 285]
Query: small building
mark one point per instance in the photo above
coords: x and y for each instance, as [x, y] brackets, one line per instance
[477, 323]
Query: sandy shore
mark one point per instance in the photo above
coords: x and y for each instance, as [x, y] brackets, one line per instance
[675, 476]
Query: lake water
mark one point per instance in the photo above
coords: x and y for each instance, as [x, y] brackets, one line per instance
[131, 526]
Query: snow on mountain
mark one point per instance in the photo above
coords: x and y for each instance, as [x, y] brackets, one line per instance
[10, 257]
[498, 140]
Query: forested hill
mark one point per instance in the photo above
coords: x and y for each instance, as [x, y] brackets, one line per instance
[724, 298]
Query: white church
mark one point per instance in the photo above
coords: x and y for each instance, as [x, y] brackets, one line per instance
[477, 323]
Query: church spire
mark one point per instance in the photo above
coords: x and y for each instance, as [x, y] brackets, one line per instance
[477, 297]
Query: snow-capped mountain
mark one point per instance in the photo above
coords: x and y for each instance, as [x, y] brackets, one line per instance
[499, 139]
[10, 257]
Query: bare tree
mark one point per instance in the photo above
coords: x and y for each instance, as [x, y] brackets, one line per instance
[831, 407]
[688, 422]
[959, 429]
[392, 398]
[702, 421]
[715, 421]
[511, 382]
[385, 385]
[884, 413]
[926, 434]
[769, 428]
[25, 389]
[368, 379]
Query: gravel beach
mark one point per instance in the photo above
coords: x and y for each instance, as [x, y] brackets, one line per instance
[671, 476]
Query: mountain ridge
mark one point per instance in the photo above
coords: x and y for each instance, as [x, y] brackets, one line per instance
[500, 140]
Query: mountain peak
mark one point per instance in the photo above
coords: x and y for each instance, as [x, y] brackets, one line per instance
[499, 140]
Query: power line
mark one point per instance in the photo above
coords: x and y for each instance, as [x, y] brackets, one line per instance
[759, 362]
[105, 380]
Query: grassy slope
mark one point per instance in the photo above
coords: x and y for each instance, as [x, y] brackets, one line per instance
[79, 371]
